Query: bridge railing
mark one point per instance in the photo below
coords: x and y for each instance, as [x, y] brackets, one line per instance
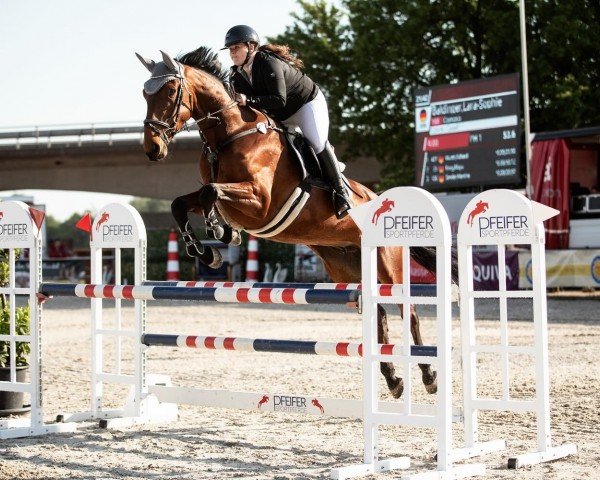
[78, 134]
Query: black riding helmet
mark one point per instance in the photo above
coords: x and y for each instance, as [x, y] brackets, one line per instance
[241, 34]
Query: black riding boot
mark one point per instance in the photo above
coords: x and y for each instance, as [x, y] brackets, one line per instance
[331, 170]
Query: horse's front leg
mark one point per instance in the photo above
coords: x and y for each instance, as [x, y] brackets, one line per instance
[225, 233]
[192, 202]
[243, 197]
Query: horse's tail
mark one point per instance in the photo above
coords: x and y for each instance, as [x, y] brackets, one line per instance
[425, 256]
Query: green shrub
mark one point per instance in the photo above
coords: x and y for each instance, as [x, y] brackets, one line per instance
[21, 321]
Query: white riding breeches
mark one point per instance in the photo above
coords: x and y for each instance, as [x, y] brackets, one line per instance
[313, 120]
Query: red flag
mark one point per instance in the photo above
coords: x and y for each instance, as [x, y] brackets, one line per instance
[37, 216]
[85, 223]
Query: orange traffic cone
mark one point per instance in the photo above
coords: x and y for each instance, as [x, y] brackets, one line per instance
[172, 257]
[252, 261]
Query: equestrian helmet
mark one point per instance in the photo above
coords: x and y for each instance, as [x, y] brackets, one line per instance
[241, 34]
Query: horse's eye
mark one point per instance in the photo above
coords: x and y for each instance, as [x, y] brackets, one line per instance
[172, 92]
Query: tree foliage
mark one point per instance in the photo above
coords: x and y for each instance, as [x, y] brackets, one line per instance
[368, 56]
[150, 205]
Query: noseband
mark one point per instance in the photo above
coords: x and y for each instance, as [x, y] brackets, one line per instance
[167, 130]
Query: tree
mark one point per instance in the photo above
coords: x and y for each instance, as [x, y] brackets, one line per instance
[150, 205]
[57, 230]
[369, 57]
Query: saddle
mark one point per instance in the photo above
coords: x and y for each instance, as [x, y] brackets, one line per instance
[311, 173]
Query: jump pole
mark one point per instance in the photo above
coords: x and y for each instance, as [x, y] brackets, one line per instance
[279, 293]
[19, 230]
[503, 217]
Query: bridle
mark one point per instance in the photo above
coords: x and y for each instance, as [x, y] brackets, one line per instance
[166, 130]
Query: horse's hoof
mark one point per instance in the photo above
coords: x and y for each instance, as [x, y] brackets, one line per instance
[430, 382]
[397, 390]
[217, 259]
[236, 238]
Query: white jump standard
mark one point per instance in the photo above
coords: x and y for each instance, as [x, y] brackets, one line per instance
[504, 217]
[18, 230]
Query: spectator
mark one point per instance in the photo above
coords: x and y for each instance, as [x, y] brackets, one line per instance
[58, 249]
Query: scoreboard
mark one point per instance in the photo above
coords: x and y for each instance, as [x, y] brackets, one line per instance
[468, 134]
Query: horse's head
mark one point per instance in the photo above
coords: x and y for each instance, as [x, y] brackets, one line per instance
[166, 94]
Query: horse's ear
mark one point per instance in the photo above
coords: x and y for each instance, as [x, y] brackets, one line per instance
[149, 64]
[169, 62]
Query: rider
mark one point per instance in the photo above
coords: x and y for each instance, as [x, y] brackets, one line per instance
[269, 78]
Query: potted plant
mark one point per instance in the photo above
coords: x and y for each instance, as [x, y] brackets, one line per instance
[12, 402]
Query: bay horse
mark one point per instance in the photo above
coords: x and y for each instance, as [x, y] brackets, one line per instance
[248, 176]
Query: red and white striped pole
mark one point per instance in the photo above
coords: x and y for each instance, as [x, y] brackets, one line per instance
[252, 261]
[172, 257]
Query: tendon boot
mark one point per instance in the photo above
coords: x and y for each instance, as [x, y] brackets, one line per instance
[331, 170]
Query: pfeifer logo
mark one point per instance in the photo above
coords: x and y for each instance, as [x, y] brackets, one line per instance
[480, 207]
[402, 226]
[103, 219]
[263, 400]
[386, 206]
[497, 226]
[317, 404]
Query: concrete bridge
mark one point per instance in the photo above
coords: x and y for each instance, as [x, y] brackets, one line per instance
[110, 159]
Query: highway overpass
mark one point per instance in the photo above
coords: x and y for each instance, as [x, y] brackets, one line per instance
[109, 158]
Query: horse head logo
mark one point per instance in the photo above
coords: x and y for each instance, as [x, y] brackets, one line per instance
[480, 207]
[386, 206]
[263, 400]
[103, 219]
[317, 404]
[1, 215]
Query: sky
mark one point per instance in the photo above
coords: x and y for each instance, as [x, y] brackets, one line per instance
[72, 62]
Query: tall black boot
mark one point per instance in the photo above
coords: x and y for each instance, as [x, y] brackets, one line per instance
[331, 170]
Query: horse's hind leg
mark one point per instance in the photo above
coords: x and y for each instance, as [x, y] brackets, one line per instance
[343, 266]
[390, 261]
[394, 383]
[428, 375]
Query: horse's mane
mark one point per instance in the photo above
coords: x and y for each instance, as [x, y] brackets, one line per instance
[206, 60]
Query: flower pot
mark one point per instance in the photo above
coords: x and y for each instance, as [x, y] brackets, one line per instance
[11, 403]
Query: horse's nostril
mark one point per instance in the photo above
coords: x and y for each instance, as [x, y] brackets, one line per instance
[155, 149]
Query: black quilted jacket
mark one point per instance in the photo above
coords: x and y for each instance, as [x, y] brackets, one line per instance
[277, 88]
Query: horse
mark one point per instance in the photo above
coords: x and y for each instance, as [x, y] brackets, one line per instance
[248, 175]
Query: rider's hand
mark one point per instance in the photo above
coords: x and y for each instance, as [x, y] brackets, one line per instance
[241, 99]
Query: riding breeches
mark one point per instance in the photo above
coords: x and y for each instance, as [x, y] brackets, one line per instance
[313, 120]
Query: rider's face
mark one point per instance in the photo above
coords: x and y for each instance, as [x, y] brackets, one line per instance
[238, 53]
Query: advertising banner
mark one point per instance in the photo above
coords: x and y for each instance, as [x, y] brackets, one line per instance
[486, 272]
[564, 268]
[550, 161]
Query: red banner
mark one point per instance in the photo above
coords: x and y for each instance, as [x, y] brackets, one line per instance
[550, 160]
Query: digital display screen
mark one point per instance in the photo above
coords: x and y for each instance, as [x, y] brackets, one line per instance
[468, 133]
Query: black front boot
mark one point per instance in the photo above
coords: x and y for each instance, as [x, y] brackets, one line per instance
[331, 170]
